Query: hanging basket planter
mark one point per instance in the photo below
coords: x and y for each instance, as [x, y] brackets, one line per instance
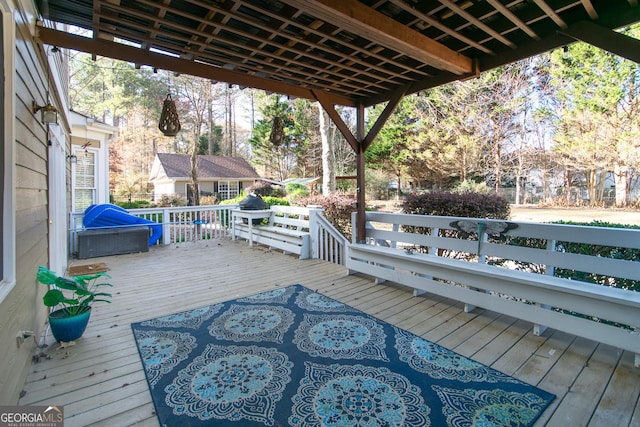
[277, 131]
[169, 123]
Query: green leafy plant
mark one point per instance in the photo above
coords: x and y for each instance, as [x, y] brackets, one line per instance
[296, 191]
[81, 291]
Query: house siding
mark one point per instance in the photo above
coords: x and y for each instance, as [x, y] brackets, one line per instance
[209, 187]
[22, 309]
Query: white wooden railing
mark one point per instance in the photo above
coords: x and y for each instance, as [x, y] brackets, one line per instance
[513, 268]
[189, 223]
[192, 223]
[179, 224]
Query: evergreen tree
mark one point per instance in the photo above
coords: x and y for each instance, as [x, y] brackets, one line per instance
[599, 122]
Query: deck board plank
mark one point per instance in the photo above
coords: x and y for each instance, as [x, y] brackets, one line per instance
[561, 378]
[588, 388]
[621, 392]
[593, 382]
[484, 336]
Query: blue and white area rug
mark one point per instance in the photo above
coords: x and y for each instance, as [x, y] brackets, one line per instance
[293, 357]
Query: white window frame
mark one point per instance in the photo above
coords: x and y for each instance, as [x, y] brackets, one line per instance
[94, 193]
[232, 189]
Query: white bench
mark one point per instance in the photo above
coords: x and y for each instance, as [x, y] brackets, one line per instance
[287, 229]
[394, 254]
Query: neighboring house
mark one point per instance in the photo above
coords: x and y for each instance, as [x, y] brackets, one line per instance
[89, 161]
[223, 176]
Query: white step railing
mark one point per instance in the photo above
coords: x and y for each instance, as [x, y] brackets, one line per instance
[327, 243]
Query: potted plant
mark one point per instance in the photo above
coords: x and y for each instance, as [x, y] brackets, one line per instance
[73, 297]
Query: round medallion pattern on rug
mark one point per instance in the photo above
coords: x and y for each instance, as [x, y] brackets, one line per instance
[231, 383]
[341, 337]
[489, 408]
[275, 296]
[441, 363]
[161, 351]
[252, 323]
[191, 319]
[313, 301]
[342, 395]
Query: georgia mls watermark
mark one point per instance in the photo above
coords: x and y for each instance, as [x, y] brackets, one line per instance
[31, 416]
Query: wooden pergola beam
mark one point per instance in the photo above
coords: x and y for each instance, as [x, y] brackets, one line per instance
[141, 56]
[396, 97]
[357, 18]
[611, 41]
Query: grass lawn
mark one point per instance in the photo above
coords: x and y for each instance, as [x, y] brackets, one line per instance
[531, 213]
[582, 214]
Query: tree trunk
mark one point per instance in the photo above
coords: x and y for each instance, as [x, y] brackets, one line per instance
[591, 186]
[210, 117]
[568, 178]
[602, 178]
[227, 137]
[328, 167]
[194, 176]
[620, 176]
[497, 166]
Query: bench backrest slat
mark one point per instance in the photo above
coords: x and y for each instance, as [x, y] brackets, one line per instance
[550, 246]
[290, 217]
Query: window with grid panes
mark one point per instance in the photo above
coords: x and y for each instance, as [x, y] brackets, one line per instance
[84, 180]
[228, 189]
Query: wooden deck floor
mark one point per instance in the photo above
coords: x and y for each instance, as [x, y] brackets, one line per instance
[100, 380]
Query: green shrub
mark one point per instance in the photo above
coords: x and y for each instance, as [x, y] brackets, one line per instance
[263, 188]
[337, 210]
[172, 200]
[472, 187]
[278, 191]
[234, 201]
[138, 204]
[348, 186]
[276, 201]
[296, 191]
[208, 200]
[470, 205]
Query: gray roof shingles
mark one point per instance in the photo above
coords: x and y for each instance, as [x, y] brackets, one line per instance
[179, 166]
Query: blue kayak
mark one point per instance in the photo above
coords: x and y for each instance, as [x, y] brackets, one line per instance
[108, 215]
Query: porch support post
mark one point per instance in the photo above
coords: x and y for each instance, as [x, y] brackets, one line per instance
[360, 181]
[360, 142]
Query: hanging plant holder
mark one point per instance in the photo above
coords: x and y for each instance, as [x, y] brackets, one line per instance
[169, 123]
[277, 132]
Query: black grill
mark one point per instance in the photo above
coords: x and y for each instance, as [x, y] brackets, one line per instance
[252, 203]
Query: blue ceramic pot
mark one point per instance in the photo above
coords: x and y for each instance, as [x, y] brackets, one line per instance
[65, 328]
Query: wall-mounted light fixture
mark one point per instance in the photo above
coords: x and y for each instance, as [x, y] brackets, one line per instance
[48, 113]
[72, 158]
